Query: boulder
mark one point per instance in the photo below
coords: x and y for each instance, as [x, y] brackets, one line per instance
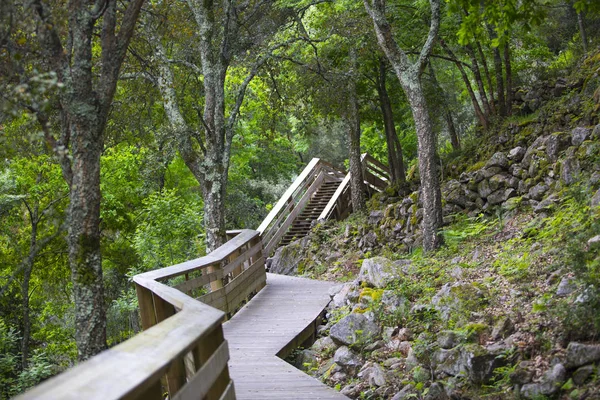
[537, 192]
[375, 217]
[286, 259]
[596, 199]
[566, 287]
[447, 339]
[372, 374]
[538, 145]
[354, 329]
[579, 354]
[484, 189]
[596, 132]
[340, 299]
[517, 153]
[499, 160]
[550, 383]
[579, 135]
[459, 296]
[436, 392]
[347, 358]
[475, 362]
[556, 143]
[569, 170]
[503, 328]
[324, 345]
[379, 272]
[393, 301]
[582, 374]
[501, 195]
[368, 242]
[407, 392]
[306, 360]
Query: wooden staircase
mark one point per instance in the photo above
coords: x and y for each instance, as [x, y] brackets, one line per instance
[303, 223]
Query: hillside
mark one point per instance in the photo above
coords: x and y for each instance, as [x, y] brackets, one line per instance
[508, 308]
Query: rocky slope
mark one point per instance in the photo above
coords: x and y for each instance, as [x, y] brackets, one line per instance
[510, 306]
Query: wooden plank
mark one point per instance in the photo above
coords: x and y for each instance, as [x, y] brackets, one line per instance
[146, 306]
[211, 297]
[290, 218]
[206, 376]
[242, 257]
[288, 193]
[242, 278]
[200, 281]
[229, 393]
[333, 201]
[203, 352]
[176, 371]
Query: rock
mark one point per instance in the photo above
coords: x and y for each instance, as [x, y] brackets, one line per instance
[375, 346]
[388, 332]
[556, 143]
[499, 160]
[579, 354]
[351, 390]
[522, 374]
[306, 360]
[473, 361]
[447, 339]
[596, 132]
[436, 392]
[566, 287]
[286, 259]
[596, 199]
[375, 217]
[341, 297]
[578, 135]
[499, 181]
[537, 192]
[459, 296]
[484, 189]
[328, 368]
[517, 153]
[338, 377]
[392, 361]
[582, 374]
[347, 358]
[368, 242]
[373, 374]
[392, 301]
[550, 383]
[503, 328]
[402, 346]
[379, 272]
[501, 195]
[324, 345]
[569, 170]
[354, 329]
[593, 242]
[489, 172]
[546, 204]
[405, 334]
[407, 392]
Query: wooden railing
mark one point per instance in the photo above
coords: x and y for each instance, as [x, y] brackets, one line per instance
[377, 178]
[294, 200]
[182, 351]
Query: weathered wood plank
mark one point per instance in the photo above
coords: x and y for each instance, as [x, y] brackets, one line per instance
[206, 376]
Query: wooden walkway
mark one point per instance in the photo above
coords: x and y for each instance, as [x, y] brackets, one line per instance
[279, 318]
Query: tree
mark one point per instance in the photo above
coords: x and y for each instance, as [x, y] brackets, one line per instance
[223, 34]
[84, 53]
[409, 74]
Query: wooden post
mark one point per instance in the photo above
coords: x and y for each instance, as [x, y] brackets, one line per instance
[146, 306]
[176, 372]
[218, 283]
[202, 353]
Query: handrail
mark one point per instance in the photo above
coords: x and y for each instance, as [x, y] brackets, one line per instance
[376, 176]
[182, 346]
[293, 201]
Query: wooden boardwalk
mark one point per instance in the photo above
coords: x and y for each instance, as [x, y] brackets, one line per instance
[279, 318]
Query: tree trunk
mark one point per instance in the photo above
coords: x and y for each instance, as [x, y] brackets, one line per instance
[508, 68]
[478, 112]
[409, 75]
[488, 77]
[394, 149]
[430, 186]
[582, 33]
[27, 270]
[479, 81]
[357, 184]
[84, 235]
